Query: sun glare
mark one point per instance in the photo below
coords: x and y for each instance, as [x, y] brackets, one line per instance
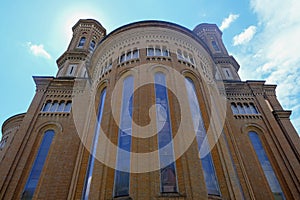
[71, 15]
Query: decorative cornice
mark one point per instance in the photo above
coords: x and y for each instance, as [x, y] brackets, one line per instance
[227, 60]
[74, 55]
[282, 114]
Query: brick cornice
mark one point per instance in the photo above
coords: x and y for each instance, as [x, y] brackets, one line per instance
[75, 55]
[282, 114]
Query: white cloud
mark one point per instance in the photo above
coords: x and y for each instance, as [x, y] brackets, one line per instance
[273, 54]
[245, 36]
[227, 21]
[38, 50]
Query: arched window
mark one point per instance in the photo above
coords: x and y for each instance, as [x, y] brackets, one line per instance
[165, 51]
[247, 108]
[157, 51]
[90, 167]
[122, 175]
[211, 181]
[47, 106]
[150, 51]
[234, 108]
[266, 165]
[92, 45]
[215, 45]
[54, 106]
[81, 42]
[240, 108]
[168, 180]
[129, 55]
[123, 58]
[179, 54]
[253, 109]
[135, 54]
[68, 106]
[61, 106]
[38, 165]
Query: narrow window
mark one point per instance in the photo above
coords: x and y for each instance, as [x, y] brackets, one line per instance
[122, 172]
[47, 106]
[191, 59]
[135, 54]
[150, 51]
[266, 166]
[110, 64]
[157, 51]
[92, 45]
[165, 51]
[179, 54]
[234, 108]
[227, 73]
[240, 108]
[129, 55]
[253, 109]
[185, 56]
[38, 165]
[54, 106]
[123, 58]
[168, 180]
[71, 70]
[247, 108]
[210, 177]
[68, 106]
[215, 45]
[61, 106]
[89, 172]
[81, 42]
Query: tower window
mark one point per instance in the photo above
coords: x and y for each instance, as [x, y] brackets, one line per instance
[266, 166]
[215, 45]
[92, 45]
[38, 165]
[81, 42]
[227, 73]
[71, 70]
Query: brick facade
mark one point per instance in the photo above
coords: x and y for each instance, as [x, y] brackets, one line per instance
[84, 72]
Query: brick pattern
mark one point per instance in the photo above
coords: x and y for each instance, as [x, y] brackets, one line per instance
[234, 160]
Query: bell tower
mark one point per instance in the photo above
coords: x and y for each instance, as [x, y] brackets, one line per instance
[227, 67]
[87, 33]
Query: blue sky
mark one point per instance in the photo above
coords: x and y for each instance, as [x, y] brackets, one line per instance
[262, 35]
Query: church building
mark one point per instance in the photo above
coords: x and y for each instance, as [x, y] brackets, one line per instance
[150, 111]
